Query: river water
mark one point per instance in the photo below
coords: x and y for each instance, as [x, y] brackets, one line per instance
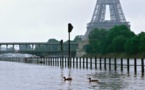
[21, 76]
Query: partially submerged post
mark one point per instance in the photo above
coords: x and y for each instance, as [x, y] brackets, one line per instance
[115, 64]
[142, 65]
[105, 63]
[100, 63]
[61, 51]
[128, 65]
[121, 64]
[95, 62]
[109, 63]
[135, 65]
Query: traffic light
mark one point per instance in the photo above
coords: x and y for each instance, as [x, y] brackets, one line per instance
[70, 27]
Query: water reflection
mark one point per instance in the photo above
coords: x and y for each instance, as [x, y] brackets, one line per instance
[115, 81]
[65, 82]
[109, 80]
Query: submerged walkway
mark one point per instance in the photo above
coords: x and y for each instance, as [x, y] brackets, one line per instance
[107, 64]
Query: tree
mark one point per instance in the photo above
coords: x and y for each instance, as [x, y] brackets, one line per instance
[117, 39]
[118, 44]
[88, 49]
[95, 44]
[142, 42]
[120, 30]
[115, 32]
[77, 39]
[96, 40]
[52, 41]
[52, 47]
[132, 45]
[142, 45]
[99, 34]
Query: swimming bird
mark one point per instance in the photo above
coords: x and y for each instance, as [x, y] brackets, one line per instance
[67, 79]
[92, 80]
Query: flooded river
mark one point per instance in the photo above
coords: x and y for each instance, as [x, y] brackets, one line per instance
[21, 76]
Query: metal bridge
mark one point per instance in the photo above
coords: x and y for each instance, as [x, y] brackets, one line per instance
[38, 48]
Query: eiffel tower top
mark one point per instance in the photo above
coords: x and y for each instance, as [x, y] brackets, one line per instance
[98, 19]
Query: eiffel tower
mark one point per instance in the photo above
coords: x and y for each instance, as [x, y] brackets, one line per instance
[98, 19]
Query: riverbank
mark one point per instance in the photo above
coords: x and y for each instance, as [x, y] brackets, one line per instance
[118, 55]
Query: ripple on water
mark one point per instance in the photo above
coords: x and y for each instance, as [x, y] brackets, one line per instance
[19, 76]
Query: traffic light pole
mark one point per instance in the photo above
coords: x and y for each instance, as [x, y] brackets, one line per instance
[70, 27]
[69, 63]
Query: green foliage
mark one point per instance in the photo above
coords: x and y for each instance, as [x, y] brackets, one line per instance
[116, 40]
[118, 44]
[95, 45]
[142, 42]
[52, 41]
[132, 45]
[136, 44]
[77, 39]
[88, 49]
[118, 31]
[96, 40]
[99, 34]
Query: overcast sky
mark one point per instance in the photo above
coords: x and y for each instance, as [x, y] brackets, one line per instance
[40, 20]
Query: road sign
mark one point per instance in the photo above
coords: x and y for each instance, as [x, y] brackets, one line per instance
[70, 27]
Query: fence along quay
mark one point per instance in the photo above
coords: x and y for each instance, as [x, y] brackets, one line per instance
[116, 64]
